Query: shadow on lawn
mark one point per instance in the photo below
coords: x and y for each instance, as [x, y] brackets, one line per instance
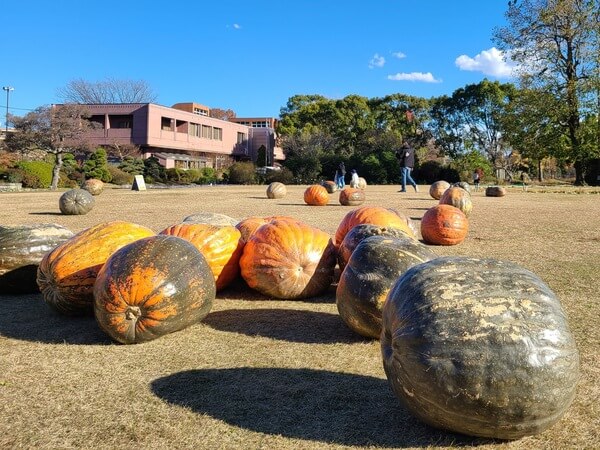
[29, 318]
[316, 405]
[292, 325]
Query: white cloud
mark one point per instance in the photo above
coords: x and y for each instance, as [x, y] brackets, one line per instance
[414, 76]
[376, 61]
[237, 26]
[398, 55]
[491, 62]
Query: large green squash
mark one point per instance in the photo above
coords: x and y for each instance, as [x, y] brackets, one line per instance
[152, 287]
[375, 264]
[22, 247]
[76, 202]
[480, 347]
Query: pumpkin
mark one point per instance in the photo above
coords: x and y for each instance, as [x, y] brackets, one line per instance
[316, 195]
[362, 183]
[444, 225]
[352, 196]
[374, 266]
[220, 246]
[276, 190]
[288, 259]
[438, 188]
[495, 191]
[463, 184]
[76, 202]
[93, 186]
[363, 231]
[480, 347]
[330, 186]
[66, 274]
[458, 197]
[375, 215]
[210, 218]
[22, 247]
[152, 287]
[249, 225]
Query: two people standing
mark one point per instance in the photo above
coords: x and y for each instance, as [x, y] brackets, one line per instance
[406, 157]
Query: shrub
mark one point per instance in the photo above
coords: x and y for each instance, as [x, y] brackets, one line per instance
[284, 176]
[120, 177]
[178, 176]
[36, 174]
[132, 165]
[242, 173]
[153, 171]
[97, 166]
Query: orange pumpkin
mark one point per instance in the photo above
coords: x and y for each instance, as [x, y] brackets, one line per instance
[352, 196]
[66, 275]
[316, 195]
[375, 215]
[220, 245]
[459, 198]
[288, 259]
[249, 225]
[444, 225]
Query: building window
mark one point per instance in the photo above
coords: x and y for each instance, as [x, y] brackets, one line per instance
[260, 124]
[97, 122]
[121, 121]
[181, 126]
[241, 137]
[218, 134]
[166, 124]
[200, 111]
[194, 129]
[206, 132]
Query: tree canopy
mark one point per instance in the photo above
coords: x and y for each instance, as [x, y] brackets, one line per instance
[110, 90]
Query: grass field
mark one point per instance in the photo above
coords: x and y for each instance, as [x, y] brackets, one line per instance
[265, 373]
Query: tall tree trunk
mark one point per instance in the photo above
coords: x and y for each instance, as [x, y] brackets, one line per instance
[56, 170]
[540, 171]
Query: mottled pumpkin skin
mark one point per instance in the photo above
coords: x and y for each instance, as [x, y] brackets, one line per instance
[444, 225]
[22, 247]
[316, 195]
[459, 198]
[93, 186]
[276, 190]
[495, 191]
[375, 215]
[480, 347]
[437, 189]
[288, 259]
[220, 245]
[352, 196]
[363, 231]
[374, 266]
[76, 202]
[210, 218]
[249, 225]
[152, 287]
[464, 185]
[330, 186]
[66, 275]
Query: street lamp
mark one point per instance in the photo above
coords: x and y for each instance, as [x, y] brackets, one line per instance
[7, 89]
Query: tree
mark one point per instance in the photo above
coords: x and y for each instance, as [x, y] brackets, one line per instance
[110, 90]
[556, 42]
[304, 152]
[222, 114]
[55, 130]
[97, 166]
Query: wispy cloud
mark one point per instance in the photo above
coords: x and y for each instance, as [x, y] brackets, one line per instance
[376, 61]
[398, 55]
[237, 26]
[415, 76]
[491, 62]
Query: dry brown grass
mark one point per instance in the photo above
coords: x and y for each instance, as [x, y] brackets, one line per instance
[262, 373]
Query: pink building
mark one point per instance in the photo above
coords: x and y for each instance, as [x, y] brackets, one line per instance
[183, 136]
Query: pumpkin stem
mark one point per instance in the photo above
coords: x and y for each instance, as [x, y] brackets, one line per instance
[133, 312]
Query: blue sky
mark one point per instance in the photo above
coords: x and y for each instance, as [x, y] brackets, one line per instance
[250, 57]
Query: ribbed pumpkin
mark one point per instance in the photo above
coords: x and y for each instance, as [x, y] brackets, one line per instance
[444, 225]
[330, 186]
[66, 275]
[220, 245]
[22, 247]
[276, 190]
[210, 218]
[458, 197]
[93, 186]
[480, 347]
[495, 191]
[288, 259]
[316, 195]
[76, 202]
[249, 225]
[437, 189]
[463, 184]
[363, 231]
[375, 215]
[352, 196]
[152, 287]
[374, 266]
[362, 183]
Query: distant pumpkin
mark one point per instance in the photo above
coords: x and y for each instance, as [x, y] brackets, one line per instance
[437, 189]
[444, 225]
[458, 197]
[351, 196]
[276, 190]
[316, 195]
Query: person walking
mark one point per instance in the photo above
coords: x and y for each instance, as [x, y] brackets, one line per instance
[354, 179]
[341, 181]
[406, 156]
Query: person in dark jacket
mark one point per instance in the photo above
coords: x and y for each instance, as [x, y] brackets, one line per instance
[341, 181]
[406, 156]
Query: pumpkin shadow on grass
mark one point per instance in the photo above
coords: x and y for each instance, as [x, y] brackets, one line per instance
[315, 405]
[29, 318]
[239, 290]
[52, 213]
[292, 325]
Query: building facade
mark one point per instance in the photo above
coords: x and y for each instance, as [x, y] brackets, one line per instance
[182, 136]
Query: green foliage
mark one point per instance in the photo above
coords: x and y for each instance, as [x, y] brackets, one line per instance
[97, 166]
[261, 156]
[208, 175]
[284, 176]
[242, 173]
[466, 164]
[179, 176]
[120, 177]
[153, 171]
[134, 166]
[35, 174]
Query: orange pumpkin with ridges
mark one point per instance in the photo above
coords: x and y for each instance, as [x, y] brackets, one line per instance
[66, 275]
[459, 198]
[444, 225]
[249, 225]
[316, 195]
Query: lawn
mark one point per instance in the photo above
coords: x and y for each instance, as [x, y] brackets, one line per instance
[266, 373]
